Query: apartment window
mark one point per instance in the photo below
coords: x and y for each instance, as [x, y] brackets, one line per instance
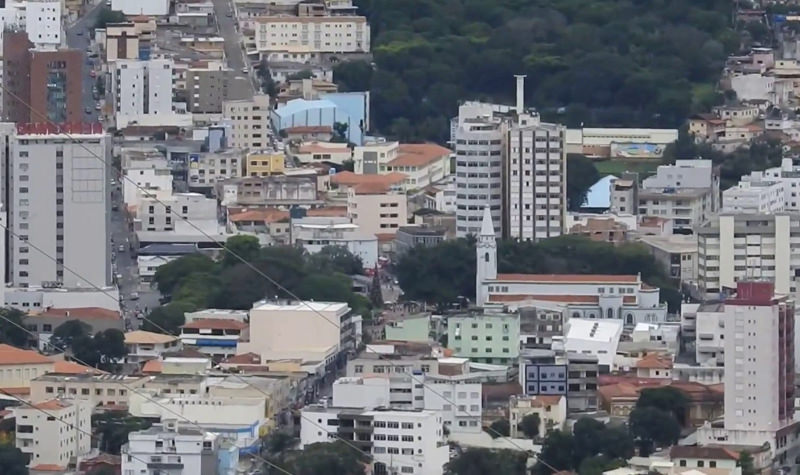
[359, 368]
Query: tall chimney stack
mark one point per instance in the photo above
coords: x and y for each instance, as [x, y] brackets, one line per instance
[520, 93]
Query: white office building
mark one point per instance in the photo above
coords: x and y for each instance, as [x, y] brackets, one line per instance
[315, 233]
[398, 441]
[141, 7]
[788, 174]
[54, 432]
[141, 89]
[162, 214]
[174, 448]
[59, 203]
[146, 177]
[737, 247]
[755, 197]
[536, 183]
[43, 23]
[480, 135]
[686, 192]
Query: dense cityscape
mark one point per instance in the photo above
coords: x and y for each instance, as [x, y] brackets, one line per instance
[356, 237]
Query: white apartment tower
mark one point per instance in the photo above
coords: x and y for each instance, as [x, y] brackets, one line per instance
[142, 88]
[739, 247]
[536, 181]
[58, 205]
[759, 373]
[479, 145]
[43, 23]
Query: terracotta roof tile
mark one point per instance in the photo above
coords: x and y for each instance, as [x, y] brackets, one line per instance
[48, 467]
[702, 452]
[577, 299]
[153, 367]
[51, 405]
[10, 355]
[70, 367]
[417, 155]
[216, 323]
[309, 129]
[348, 178]
[139, 337]
[316, 148]
[654, 361]
[244, 358]
[267, 215]
[578, 278]
[371, 188]
[329, 211]
[82, 312]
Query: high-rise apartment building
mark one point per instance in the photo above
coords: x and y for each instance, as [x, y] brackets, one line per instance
[479, 144]
[206, 86]
[57, 203]
[249, 122]
[142, 88]
[536, 180]
[43, 23]
[39, 85]
[739, 247]
[759, 373]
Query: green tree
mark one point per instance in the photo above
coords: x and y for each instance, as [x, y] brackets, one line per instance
[375, 294]
[483, 461]
[336, 259]
[529, 425]
[112, 428]
[110, 347]
[68, 331]
[13, 460]
[581, 175]
[438, 274]
[107, 16]
[650, 425]
[169, 275]
[353, 75]
[598, 464]
[238, 248]
[340, 132]
[746, 463]
[558, 450]
[167, 318]
[667, 399]
[12, 329]
[84, 351]
[304, 74]
[324, 459]
[499, 428]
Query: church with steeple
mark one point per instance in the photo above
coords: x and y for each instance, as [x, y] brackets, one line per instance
[600, 296]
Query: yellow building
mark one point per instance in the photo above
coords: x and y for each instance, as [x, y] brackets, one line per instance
[264, 164]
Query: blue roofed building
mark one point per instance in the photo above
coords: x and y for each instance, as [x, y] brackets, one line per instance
[351, 108]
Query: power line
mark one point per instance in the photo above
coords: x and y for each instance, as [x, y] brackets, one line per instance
[244, 261]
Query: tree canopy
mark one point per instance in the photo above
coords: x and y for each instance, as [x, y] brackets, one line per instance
[13, 460]
[592, 446]
[529, 425]
[113, 428]
[482, 461]
[581, 175]
[12, 331]
[667, 399]
[325, 458]
[652, 426]
[439, 274]
[196, 281]
[641, 58]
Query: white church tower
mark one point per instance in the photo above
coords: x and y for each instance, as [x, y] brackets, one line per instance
[486, 249]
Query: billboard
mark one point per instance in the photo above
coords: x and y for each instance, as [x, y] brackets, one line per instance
[636, 150]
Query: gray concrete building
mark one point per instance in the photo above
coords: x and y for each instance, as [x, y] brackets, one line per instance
[205, 88]
[58, 206]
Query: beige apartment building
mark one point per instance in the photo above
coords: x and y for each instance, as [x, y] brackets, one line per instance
[248, 119]
[376, 209]
[318, 34]
[53, 433]
[18, 367]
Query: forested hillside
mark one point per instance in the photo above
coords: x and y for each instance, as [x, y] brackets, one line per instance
[605, 62]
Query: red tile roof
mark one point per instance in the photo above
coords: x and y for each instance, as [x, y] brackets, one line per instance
[348, 178]
[266, 215]
[82, 312]
[48, 467]
[244, 358]
[330, 211]
[70, 367]
[216, 324]
[371, 188]
[51, 405]
[569, 278]
[308, 129]
[153, 367]
[10, 355]
[702, 452]
[654, 361]
[417, 155]
[577, 299]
